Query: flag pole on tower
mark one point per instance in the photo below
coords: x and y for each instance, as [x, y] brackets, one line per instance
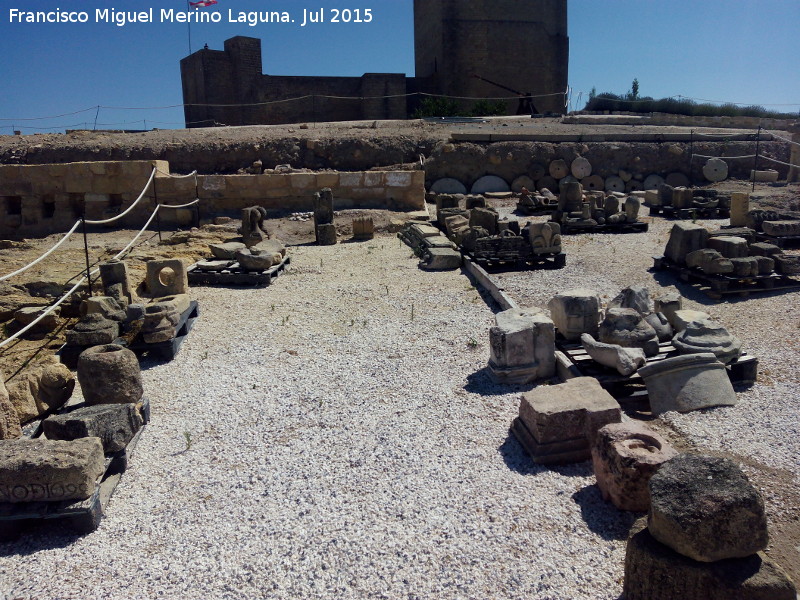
[196, 5]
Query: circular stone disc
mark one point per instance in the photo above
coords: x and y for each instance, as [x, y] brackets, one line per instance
[715, 170]
[651, 182]
[547, 182]
[523, 181]
[593, 182]
[581, 168]
[615, 184]
[537, 171]
[558, 169]
[677, 180]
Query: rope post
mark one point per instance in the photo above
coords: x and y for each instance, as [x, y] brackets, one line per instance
[158, 215]
[755, 160]
[691, 150]
[86, 253]
[197, 197]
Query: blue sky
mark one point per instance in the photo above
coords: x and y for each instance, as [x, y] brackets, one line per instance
[726, 50]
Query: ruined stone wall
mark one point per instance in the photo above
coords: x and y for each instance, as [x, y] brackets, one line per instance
[520, 44]
[37, 200]
[233, 77]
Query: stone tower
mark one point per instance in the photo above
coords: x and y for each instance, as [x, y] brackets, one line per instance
[519, 44]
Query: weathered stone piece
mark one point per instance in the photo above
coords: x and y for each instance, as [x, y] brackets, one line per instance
[575, 312]
[363, 228]
[704, 335]
[159, 324]
[625, 456]
[251, 260]
[686, 383]
[636, 297]
[41, 388]
[709, 261]
[167, 277]
[227, 250]
[681, 318]
[787, 264]
[325, 234]
[729, 246]
[45, 470]
[683, 239]
[660, 323]
[626, 327]
[625, 360]
[556, 423]
[522, 346]
[117, 282]
[9, 419]
[715, 170]
[28, 314]
[253, 225]
[484, 217]
[114, 424]
[109, 374]
[669, 303]
[654, 571]
[323, 207]
[93, 330]
[779, 228]
[705, 508]
[440, 259]
[109, 307]
[545, 238]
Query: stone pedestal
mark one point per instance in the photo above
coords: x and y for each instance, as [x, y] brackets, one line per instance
[740, 206]
[625, 456]
[110, 374]
[522, 346]
[323, 207]
[687, 383]
[326, 234]
[557, 423]
[683, 239]
[363, 228]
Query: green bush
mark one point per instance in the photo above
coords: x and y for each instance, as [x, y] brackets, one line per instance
[438, 107]
[487, 108]
[679, 106]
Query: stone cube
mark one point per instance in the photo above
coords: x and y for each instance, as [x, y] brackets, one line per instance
[729, 247]
[167, 277]
[683, 239]
[114, 424]
[363, 228]
[522, 346]
[575, 312]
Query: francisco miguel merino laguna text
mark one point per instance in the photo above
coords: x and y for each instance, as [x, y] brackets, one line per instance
[252, 18]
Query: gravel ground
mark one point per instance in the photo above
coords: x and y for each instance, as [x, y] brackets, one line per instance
[347, 442]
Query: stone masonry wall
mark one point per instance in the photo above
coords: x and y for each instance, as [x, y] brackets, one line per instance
[37, 200]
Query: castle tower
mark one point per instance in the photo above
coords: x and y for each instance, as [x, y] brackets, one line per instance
[519, 44]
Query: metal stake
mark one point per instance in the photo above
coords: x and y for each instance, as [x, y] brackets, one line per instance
[755, 164]
[86, 253]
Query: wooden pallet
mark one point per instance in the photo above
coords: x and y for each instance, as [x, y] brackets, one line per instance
[235, 275]
[670, 212]
[166, 351]
[782, 241]
[505, 263]
[718, 285]
[81, 516]
[578, 363]
[546, 209]
[638, 227]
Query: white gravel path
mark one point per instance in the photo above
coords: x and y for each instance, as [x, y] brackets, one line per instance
[346, 443]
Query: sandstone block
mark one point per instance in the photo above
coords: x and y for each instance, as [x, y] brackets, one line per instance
[93, 330]
[441, 259]
[114, 424]
[705, 508]
[109, 374]
[654, 571]
[686, 383]
[745, 267]
[625, 456]
[709, 261]
[575, 312]
[9, 419]
[572, 410]
[167, 277]
[729, 247]
[787, 264]
[44, 470]
[522, 346]
[681, 318]
[625, 360]
[683, 239]
[740, 206]
[363, 228]
[227, 250]
[764, 249]
[28, 314]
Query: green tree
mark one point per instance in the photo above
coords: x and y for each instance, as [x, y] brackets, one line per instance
[634, 93]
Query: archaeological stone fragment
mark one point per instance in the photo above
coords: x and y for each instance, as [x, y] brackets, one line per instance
[705, 508]
[624, 457]
[92, 330]
[109, 374]
[709, 261]
[545, 238]
[45, 470]
[114, 424]
[575, 312]
[729, 246]
[167, 277]
[522, 346]
[625, 360]
[625, 327]
[686, 383]
[705, 335]
[636, 297]
[9, 419]
[683, 239]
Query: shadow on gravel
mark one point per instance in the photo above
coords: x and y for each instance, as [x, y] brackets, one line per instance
[602, 517]
[517, 459]
[37, 537]
[482, 383]
[687, 290]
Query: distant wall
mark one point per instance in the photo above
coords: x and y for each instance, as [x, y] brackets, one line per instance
[657, 118]
[37, 200]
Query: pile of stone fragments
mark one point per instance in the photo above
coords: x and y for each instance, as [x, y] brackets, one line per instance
[591, 209]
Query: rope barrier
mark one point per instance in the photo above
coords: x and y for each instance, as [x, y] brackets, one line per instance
[130, 208]
[192, 174]
[784, 139]
[50, 309]
[775, 160]
[45, 255]
[188, 204]
[138, 235]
